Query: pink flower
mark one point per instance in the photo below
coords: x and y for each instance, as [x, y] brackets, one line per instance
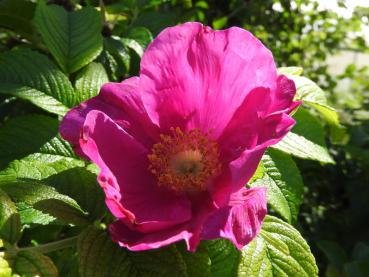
[177, 144]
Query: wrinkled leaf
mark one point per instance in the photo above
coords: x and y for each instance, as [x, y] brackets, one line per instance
[284, 182]
[279, 250]
[73, 38]
[10, 229]
[99, 256]
[81, 185]
[224, 257]
[36, 195]
[32, 76]
[89, 80]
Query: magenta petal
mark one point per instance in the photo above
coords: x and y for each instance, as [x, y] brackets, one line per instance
[122, 103]
[283, 98]
[242, 132]
[137, 241]
[243, 168]
[190, 231]
[241, 220]
[190, 73]
[131, 190]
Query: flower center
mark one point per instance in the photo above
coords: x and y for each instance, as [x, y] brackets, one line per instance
[184, 162]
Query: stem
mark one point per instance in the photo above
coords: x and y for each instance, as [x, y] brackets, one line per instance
[52, 246]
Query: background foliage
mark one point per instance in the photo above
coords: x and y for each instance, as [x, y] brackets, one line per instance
[53, 57]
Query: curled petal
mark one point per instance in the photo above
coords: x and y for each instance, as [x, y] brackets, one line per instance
[240, 221]
[122, 103]
[189, 231]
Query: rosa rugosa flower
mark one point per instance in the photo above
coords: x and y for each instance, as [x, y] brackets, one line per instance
[177, 144]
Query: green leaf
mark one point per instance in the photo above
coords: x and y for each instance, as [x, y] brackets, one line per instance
[312, 95]
[36, 195]
[138, 39]
[81, 185]
[5, 269]
[17, 15]
[10, 229]
[255, 260]
[290, 70]
[334, 252]
[115, 58]
[89, 80]
[99, 256]
[220, 23]
[198, 263]
[279, 250]
[67, 176]
[37, 167]
[73, 38]
[224, 257]
[31, 76]
[259, 173]
[306, 140]
[29, 263]
[32, 134]
[284, 182]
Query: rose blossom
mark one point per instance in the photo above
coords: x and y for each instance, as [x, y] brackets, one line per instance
[177, 144]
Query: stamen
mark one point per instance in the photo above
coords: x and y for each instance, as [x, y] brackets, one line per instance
[184, 162]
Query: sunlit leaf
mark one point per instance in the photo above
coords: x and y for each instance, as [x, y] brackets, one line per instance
[89, 80]
[279, 250]
[285, 186]
[306, 140]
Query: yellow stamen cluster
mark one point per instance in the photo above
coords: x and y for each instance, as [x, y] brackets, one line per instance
[184, 162]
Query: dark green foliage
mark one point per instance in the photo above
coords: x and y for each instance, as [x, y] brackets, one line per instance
[56, 54]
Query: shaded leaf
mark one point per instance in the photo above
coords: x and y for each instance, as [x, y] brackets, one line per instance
[198, 263]
[32, 134]
[99, 256]
[29, 263]
[334, 252]
[73, 38]
[10, 228]
[138, 39]
[67, 176]
[224, 257]
[81, 185]
[31, 76]
[17, 15]
[36, 195]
